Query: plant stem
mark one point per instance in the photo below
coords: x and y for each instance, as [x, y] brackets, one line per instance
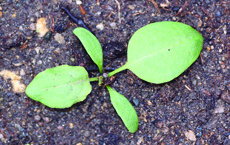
[117, 70]
[93, 79]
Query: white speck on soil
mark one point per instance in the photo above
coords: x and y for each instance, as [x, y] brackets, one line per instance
[100, 26]
[59, 38]
[190, 135]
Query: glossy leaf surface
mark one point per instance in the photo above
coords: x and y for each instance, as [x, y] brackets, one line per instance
[91, 44]
[124, 109]
[60, 87]
[161, 51]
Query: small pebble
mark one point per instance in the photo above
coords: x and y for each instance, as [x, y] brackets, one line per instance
[41, 27]
[225, 96]
[59, 38]
[136, 102]
[39, 62]
[218, 14]
[60, 127]
[48, 35]
[175, 9]
[219, 109]
[37, 118]
[1, 136]
[113, 25]
[100, 26]
[46, 119]
[190, 135]
[71, 125]
[87, 134]
[131, 7]
[57, 51]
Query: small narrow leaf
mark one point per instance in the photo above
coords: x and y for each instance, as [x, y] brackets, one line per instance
[124, 109]
[160, 52]
[91, 44]
[60, 87]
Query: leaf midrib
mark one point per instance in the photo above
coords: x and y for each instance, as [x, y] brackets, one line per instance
[66, 84]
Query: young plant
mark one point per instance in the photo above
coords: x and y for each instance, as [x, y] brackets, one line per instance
[157, 53]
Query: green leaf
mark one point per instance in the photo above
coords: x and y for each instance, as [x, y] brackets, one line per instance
[91, 44]
[60, 87]
[161, 51]
[124, 109]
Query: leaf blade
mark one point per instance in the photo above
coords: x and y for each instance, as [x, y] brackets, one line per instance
[124, 109]
[156, 51]
[60, 87]
[91, 44]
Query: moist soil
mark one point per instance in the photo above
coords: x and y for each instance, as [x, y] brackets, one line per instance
[194, 108]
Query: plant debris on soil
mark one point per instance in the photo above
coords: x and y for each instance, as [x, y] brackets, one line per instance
[192, 109]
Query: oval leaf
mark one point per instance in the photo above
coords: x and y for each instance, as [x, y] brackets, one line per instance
[60, 87]
[124, 109]
[159, 52]
[91, 44]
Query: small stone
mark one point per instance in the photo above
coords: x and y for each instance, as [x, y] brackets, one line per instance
[79, 144]
[1, 99]
[132, 7]
[71, 125]
[208, 48]
[57, 51]
[37, 118]
[87, 134]
[113, 25]
[14, 15]
[175, 9]
[41, 27]
[220, 50]
[219, 109]
[1, 136]
[100, 26]
[225, 96]
[218, 14]
[78, 2]
[46, 119]
[39, 62]
[22, 72]
[59, 38]
[60, 127]
[194, 82]
[223, 66]
[149, 103]
[190, 135]
[136, 102]
[72, 59]
[0, 14]
[37, 49]
[48, 35]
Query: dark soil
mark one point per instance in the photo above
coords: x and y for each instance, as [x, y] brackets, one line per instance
[197, 101]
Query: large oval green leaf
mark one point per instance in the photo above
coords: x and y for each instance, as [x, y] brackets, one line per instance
[60, 87]
[161, 51]
[124, 109]
[91, 44]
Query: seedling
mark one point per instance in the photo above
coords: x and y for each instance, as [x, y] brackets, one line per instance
[157, 53]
